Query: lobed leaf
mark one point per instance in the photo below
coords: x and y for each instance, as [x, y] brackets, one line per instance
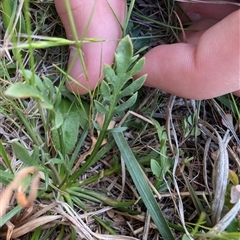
[100, 108]
[133, 87]
[110, 75]
[123, 55]
[127, 104]
[105, 91]
[137, 67]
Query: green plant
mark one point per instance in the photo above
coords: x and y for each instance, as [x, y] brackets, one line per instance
[96, 174]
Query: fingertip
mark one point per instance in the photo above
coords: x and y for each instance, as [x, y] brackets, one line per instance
[237, 93]
[86, 68]
[84, 73]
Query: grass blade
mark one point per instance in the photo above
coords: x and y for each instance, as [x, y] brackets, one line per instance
[5, 157]
[143, 187]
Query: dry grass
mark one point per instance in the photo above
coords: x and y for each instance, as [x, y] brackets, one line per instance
[197, 137]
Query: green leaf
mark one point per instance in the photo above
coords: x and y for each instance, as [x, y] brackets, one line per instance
[142, 186]
[100, 108]
[185, 237]
[123, 55]
[57, 161]
[137, 67]
[58, 120]
[96, 126]
[47, 105]
[49, 86]
[116, 78]
[105, 225]
[127, 104]
[5, 157]
[5, 177]
[39, 83]
[35, 154]
[23, 90]
[118, 129]
[9, 11]
[133, 87]
[9, 216]
[29, 75]
[72, 117]
[197, 203]
[105, 91]
[110, 75]
[233, 177]
[156, 168]
[6, 69]
[22, 153]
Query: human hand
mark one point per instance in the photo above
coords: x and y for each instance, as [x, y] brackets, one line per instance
[208, 65]
[102, 25]
[205, 67]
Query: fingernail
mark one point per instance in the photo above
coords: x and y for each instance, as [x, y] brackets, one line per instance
[194, 16]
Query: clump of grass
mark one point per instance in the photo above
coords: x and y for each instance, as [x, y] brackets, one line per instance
[127, 162]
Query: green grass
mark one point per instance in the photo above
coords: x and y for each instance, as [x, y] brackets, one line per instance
[152, 175]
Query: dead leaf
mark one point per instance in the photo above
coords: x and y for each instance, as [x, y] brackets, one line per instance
[235, 194]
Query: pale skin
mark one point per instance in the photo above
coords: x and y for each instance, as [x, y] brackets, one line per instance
[207, 65]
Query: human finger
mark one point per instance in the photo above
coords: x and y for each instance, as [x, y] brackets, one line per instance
[206, 70]
[197, 11]
[93, 19]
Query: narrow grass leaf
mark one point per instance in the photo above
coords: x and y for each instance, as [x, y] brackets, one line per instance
[143, 187]
[5, 177]
[105, 225]
[5, 157]
[8, 216]
[197, 203]
[118, 129]
[9, 10]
